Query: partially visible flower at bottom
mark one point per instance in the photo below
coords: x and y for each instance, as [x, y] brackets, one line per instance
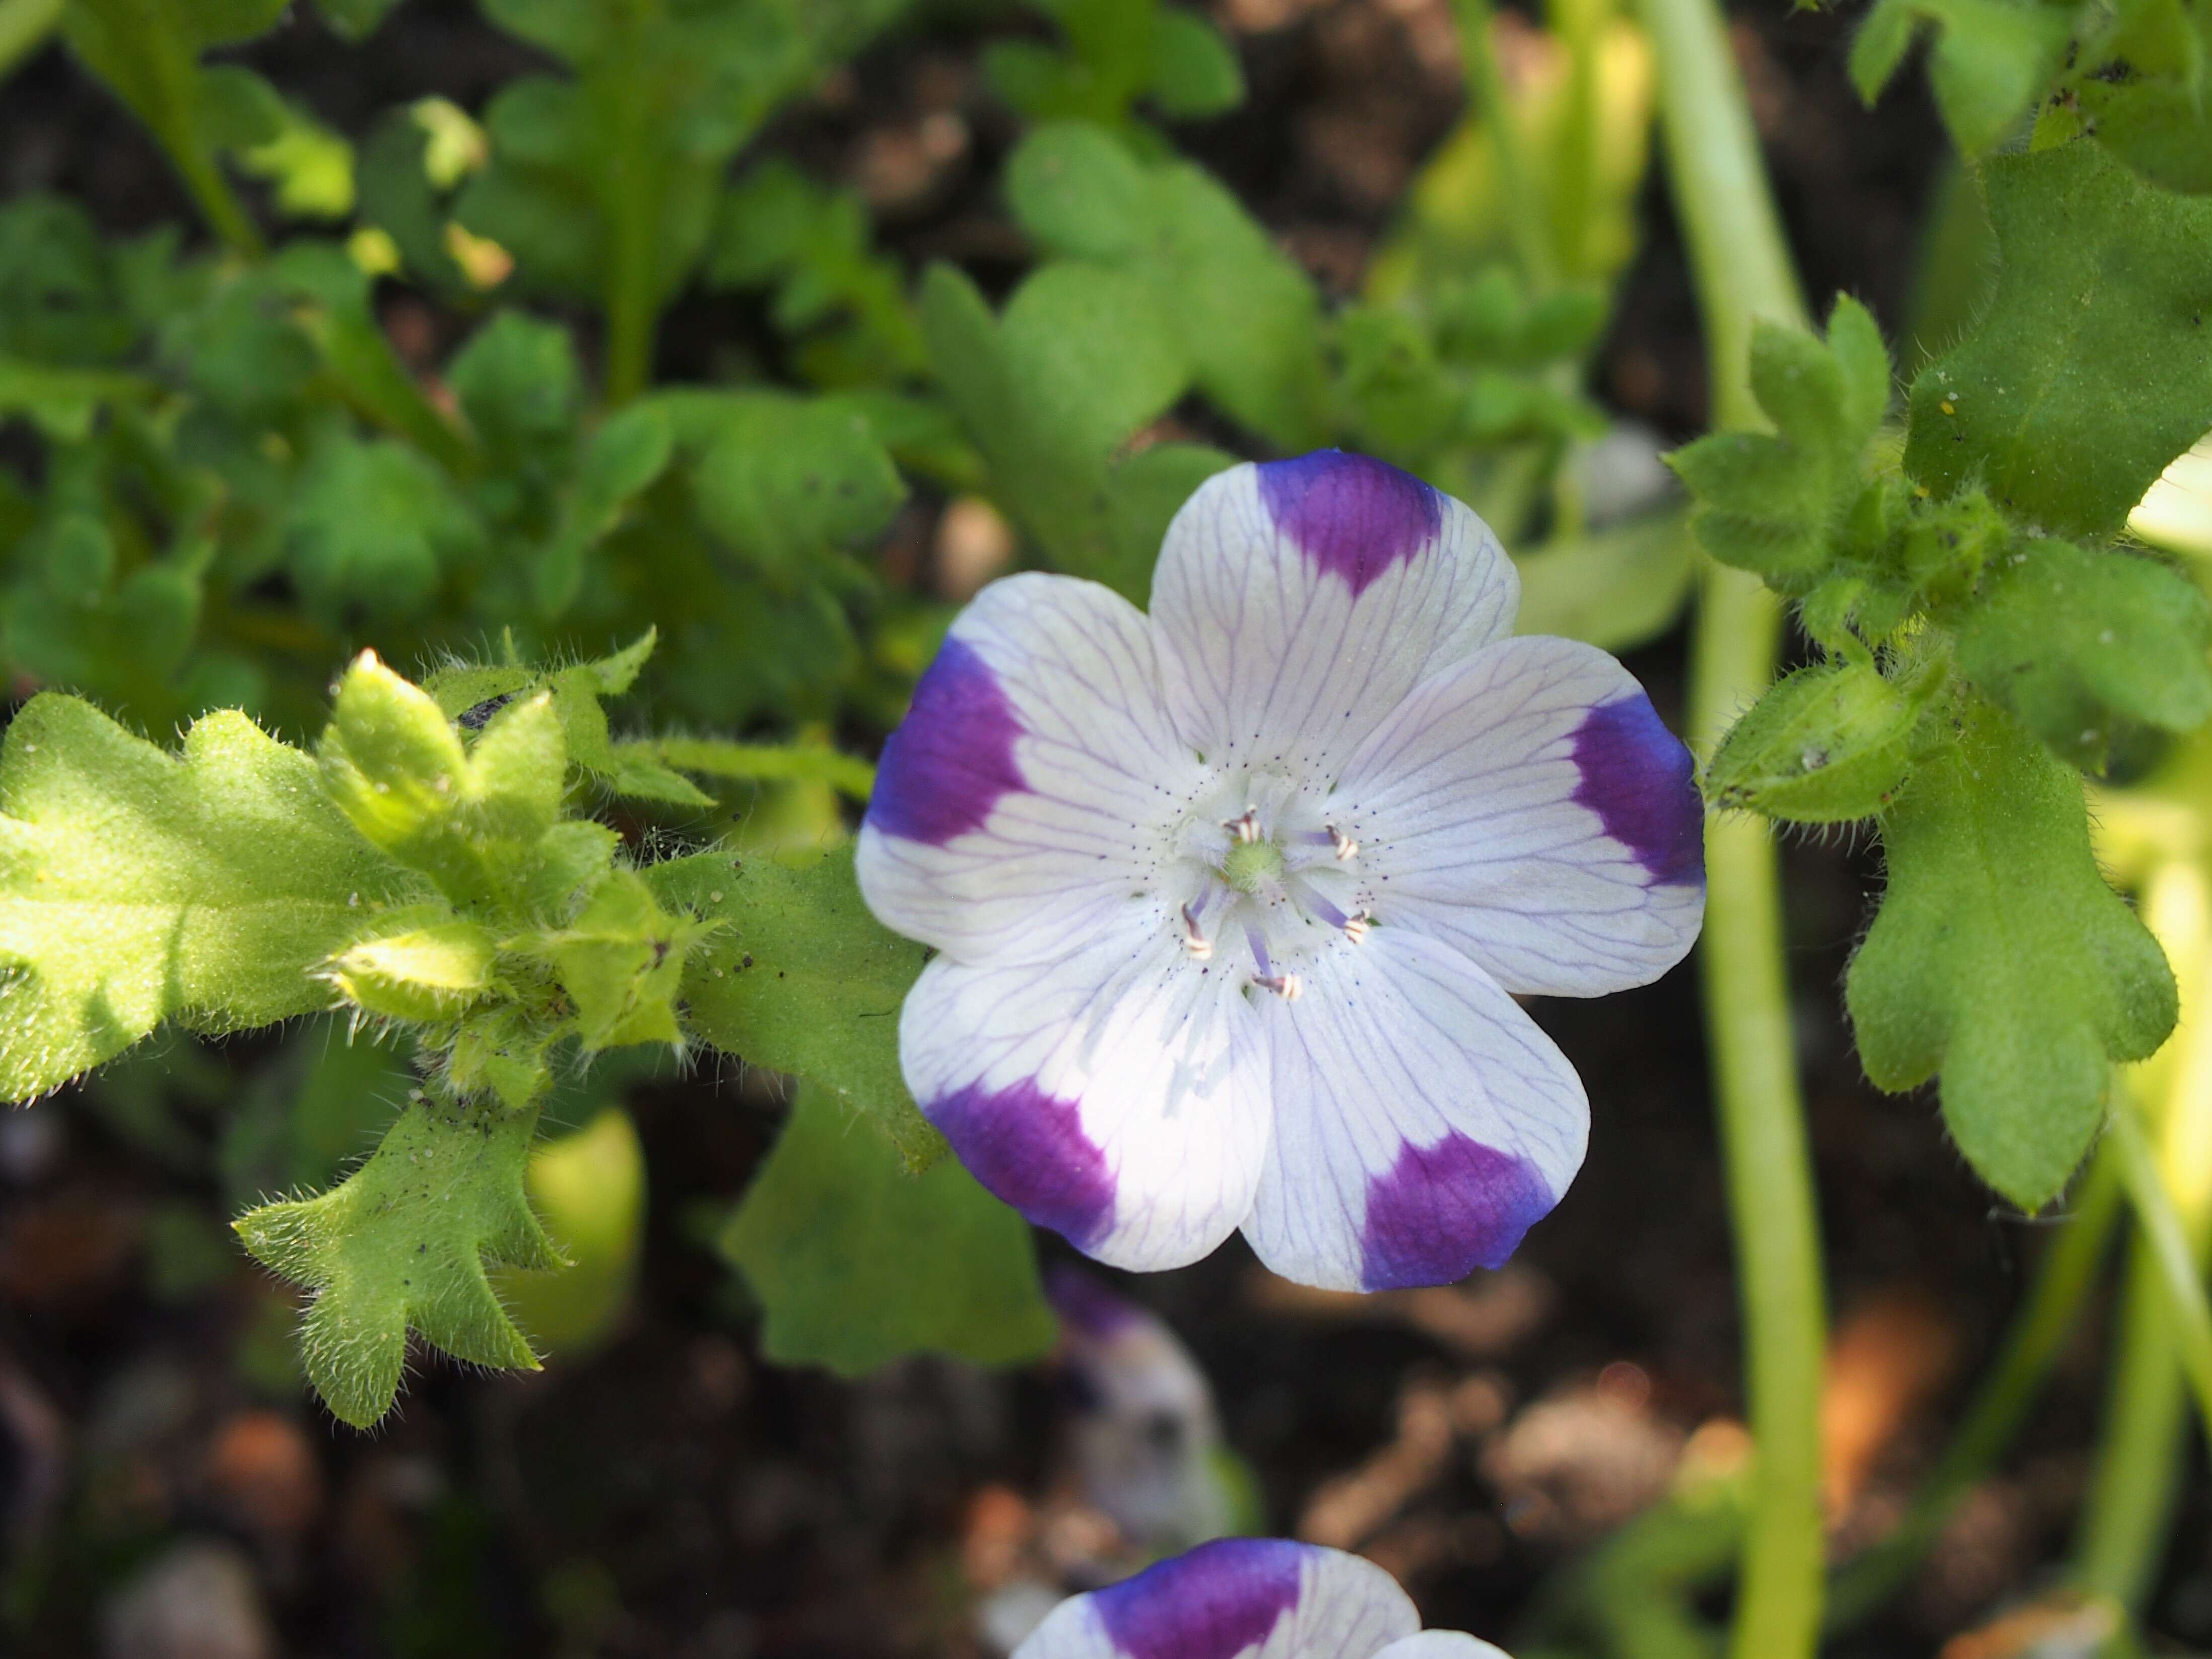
[1233, 899]
[1249, 1598]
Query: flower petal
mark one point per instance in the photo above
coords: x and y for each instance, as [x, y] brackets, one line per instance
[1029, 784]
[1298, 601]
[1264, 1597]
[1527, 807]
[1443, 1644]
[1117, 1096]
[1423, 1122]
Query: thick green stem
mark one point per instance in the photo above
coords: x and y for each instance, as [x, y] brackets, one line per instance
[1743, 272]
[2164, 1353]
[1486, 96]
[2000, 1409]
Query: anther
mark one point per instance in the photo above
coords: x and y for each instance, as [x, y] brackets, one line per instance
[1246, 829]
[1347, 848]
[1200, 947]
[1355, 927]
[1285, 986]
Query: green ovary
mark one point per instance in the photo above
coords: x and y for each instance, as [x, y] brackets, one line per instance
[1251, 865]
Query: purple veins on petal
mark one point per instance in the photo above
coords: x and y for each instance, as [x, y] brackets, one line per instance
[953, 757]
[1028, 1147]
[1350, 513]
[1212, 1603]
[1441, 1212]
[1638, 778]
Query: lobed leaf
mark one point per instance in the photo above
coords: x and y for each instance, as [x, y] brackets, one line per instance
[402, 1245]
[857, 1261]
[800, 978]
[138, 886]
[2092, 368]
[2002, 962]
[2070, 641]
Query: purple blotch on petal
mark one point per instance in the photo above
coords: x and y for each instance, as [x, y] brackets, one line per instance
[1029, 1148]
[1638, 778]
[1442, 1210]
[1212, 1603]
[1088, 1307]
[953, 756]
[1350, 514]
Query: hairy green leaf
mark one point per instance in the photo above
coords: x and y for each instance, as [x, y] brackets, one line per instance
[138, 886]
[2069, 639]
[800, 978]
[2092, 368]
[1774, 504]
[401, 1245]
[2001, 961]
[856, 1262]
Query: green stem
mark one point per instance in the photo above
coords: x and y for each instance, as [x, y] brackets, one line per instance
[2031, 1345]
[1743, 272]
[1486, 96]
[2172, 1255]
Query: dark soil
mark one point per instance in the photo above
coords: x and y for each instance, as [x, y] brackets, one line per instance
[674, 1495]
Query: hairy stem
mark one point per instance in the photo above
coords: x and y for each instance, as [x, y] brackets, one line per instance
[2000, 1408]
[1743, 272]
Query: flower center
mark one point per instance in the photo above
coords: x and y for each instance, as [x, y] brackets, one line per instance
[1262, 874]
[1251, 865]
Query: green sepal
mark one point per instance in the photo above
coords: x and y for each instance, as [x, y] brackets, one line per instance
[504, 1050]
[621, 962]
[801, 979]
[396, 767]
[1826, 744]
[2001, 961]
[402, 1244]
[857, 1261]
[427, 974]
[2070, 640]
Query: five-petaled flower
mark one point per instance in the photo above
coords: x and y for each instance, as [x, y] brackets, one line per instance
[1232, 900]
[1262, 1598]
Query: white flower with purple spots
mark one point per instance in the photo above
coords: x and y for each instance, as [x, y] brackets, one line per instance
[1232, 900]
[1249, 1598]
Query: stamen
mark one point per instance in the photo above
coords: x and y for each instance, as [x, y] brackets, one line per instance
[1347, 848]
[1355, 927]
[1258, 944]
[1200, 947]
[1245, 828]
[1289, 986]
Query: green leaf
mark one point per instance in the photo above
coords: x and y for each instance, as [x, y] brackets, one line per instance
[1196, 72]
[60, 301]
[1826, 744]
[2140, 87]
[2092, 368]
[2002, 961]
[1246, 319]
[1615, 587]
[355, 20]
[402, 1245]
[1052, 391]
[137, 886]
[519, 384]
[757, 762]
[802, 979]
[371, 527]
[1776, 505]
[425, 974]
[856, 1262]
[1992, 60]
[588, 1188]
[2069, 639]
